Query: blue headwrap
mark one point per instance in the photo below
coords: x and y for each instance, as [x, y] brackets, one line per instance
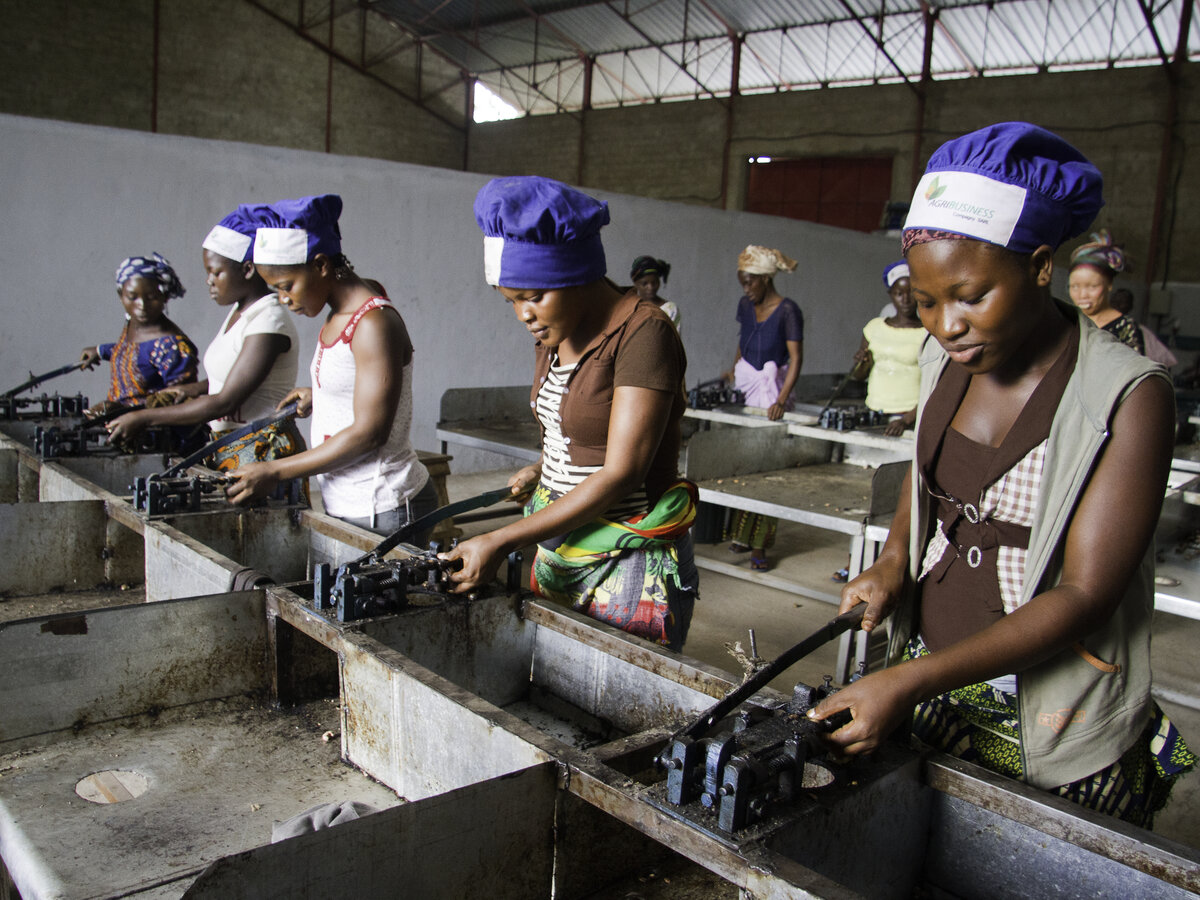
[540, 233]
[894, 272]
[292, 232]
[154, 268]
[1011, 184]
[233, 236]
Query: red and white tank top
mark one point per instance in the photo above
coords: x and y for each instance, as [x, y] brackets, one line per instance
[385, 478]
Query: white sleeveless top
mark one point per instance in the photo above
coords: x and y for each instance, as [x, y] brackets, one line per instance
[264, 316]
[384, 479]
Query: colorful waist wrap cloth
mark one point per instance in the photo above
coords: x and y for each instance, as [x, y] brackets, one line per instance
[274, 441]
[622, 573]
[980, 723]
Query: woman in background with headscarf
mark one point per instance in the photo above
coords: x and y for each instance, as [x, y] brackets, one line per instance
[1019, 568]
[648, 275]
[1093, 267]
[152, 353]
[1121, 299]
[769, 355]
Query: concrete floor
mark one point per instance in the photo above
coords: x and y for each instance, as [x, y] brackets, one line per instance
[804, 559]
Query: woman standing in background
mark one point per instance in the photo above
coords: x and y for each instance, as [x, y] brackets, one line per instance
[648, 275]
[887, 356]
[153, 354]
[1093, 267]
[769, 356]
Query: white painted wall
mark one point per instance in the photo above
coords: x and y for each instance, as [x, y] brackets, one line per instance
[76, 199]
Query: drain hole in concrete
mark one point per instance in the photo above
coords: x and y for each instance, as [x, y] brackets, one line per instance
[112, 786]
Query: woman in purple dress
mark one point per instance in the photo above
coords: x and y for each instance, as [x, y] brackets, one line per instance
[769, 355]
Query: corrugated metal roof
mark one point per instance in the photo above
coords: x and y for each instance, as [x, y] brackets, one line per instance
[530, 51]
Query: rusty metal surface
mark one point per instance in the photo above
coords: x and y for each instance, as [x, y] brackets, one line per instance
[220, 774]
[479, 645]
[452, 848]
[69, 536]
[267, 540]
[762, 873]
[1059, 819]
[417, 732]
[723, 450]
[683, 670]
[282, 601]
[359, 539]
[833, 496]
[121, 662]
[10, 482]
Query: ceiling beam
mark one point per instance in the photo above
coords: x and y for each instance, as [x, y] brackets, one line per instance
[879, 45]
[651, 43]
[299, 31]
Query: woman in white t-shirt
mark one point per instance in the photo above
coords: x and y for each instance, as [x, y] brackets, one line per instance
[251, 363]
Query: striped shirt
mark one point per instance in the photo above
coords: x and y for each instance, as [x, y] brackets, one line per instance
[559, 475]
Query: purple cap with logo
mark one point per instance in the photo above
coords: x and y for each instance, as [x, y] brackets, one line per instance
[1012, 184]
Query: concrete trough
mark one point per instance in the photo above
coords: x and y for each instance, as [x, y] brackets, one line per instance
[67, 556]
[521, 734]
[169, 699]
[435, 706]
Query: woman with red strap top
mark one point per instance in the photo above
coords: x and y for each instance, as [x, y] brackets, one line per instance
[361, 394]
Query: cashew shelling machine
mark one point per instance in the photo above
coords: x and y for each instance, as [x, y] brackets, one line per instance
[509, 747]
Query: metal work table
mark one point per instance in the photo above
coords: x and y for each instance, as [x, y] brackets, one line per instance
[495, 419]
[428, 705]
[832, 496]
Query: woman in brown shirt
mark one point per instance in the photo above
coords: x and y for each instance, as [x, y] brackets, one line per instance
[605, 505]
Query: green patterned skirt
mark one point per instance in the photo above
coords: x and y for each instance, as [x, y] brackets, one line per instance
[980, 723]
[752, 529]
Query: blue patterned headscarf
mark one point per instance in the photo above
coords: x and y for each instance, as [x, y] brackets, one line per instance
[153, 268]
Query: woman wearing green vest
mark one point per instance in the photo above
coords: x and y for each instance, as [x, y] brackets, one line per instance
[1020, 616]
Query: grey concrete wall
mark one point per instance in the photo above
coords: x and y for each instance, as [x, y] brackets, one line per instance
[252, 70]
[78, 199]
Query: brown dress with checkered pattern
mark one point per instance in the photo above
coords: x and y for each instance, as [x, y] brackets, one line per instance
[984, 502]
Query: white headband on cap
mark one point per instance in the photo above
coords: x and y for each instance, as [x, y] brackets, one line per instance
[896, 272]
[281, 247]
[967, 203]
[493, 251]
[227, 242]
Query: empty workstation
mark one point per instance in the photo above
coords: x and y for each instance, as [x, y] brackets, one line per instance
[510, 414]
